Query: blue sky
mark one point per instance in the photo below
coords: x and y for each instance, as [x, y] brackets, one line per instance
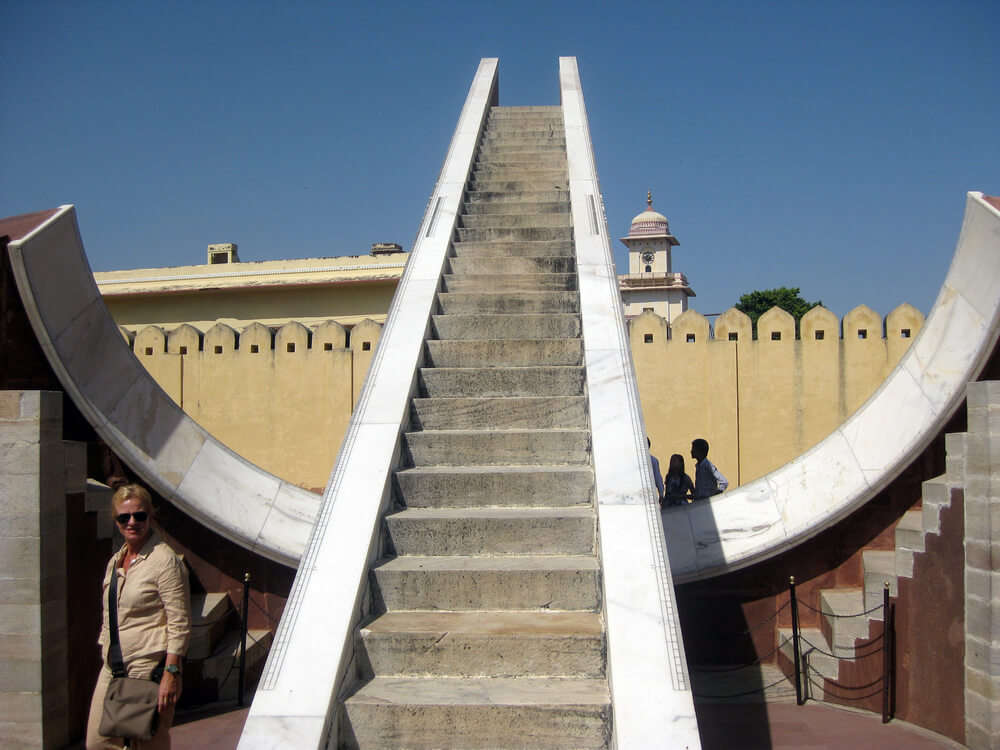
[827, 146]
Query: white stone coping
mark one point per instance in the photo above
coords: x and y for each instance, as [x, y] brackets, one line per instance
[861, 457]
[296, 701]
[650, 688]
[134, 416]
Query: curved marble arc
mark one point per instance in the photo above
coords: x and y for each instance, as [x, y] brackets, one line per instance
[136, 418]
[861, 457]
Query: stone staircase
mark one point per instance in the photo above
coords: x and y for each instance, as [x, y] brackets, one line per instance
[487, 627]
[210, 671]
[840, 632]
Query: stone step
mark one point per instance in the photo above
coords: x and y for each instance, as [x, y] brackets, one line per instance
[910, 531]
[935, 494]
[454, 327]
[503, 303]
[815, 664]
[521, 113]
[219, 666]
[505, 220]
[485, 644]
[503, 582]
[498, 174]
[210, 616]
[524, 140]
[505, 353]
[495, 486]
[510, 282]
[524, 412]
[839, 607]
[492, 531]
[512, 208]
[522, 159]
[423, 713]
[515, 233]
[463, 265]
[97, 500]
[880, 568]
[500, 382]
[497, 447]
[526, 185]
[508, 197]
[514, 249]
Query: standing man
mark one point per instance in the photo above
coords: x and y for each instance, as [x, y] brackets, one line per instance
[708, 480]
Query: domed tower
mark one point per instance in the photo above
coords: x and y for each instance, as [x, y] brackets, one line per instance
[650, 283]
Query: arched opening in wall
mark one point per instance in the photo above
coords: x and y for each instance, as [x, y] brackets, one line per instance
[649, 269]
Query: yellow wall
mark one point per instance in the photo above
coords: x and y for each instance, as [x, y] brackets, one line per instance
[759, 403]
[285, 408]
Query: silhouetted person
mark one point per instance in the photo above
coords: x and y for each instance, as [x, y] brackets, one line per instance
[657, 476]
[678, 487]
[708, 480]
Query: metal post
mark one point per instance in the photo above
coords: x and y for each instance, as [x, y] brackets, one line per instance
[799, 700]
[886, 652]
[244, 617]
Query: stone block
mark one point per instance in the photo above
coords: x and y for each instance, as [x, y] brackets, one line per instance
[24, 646]
[21, 675]
[981, 710]
[20, 707]
[20, 590]
[19, 492]
[977, 518]
[75, 460]
[981, 684]
[977, 617]
[21, 735]
[20, 458]
[20, 557]
[19, 525]
[976, 737]
[20, 619]
[977, 554]
[981, 583]
[10, 405]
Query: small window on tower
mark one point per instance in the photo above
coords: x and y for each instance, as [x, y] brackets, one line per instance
[647, 338]
[904, 333]
[734, 336]
[689, 338]
[775, 335]
[862, 333]
[819, 335]
[649, 269]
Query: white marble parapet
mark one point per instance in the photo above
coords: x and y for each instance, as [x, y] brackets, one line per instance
[295, 703]
[861, 457]
[650, 688]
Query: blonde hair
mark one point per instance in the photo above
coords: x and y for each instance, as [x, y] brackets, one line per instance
[129, 492]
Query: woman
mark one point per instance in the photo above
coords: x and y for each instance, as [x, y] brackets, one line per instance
[154, 614]
[679, 486]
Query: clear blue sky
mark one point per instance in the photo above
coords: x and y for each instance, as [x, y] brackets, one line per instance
[821, 145]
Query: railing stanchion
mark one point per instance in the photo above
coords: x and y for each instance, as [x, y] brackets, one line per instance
[886, 652]
[244, 617]
[795, 640]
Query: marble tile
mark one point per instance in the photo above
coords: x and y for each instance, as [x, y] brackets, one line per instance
[289, 523]
[274, 732]
[228, 494]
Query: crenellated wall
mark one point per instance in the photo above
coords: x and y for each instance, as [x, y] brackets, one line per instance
[279, 396]
[760, 402]
[282, 396]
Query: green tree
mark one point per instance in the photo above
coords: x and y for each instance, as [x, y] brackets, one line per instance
[758, 302]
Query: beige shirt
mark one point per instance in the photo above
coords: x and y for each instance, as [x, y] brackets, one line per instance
[154, 602]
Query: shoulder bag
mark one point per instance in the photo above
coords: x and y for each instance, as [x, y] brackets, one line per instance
[130, 705]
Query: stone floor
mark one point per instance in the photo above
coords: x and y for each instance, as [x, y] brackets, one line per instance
[774, 726]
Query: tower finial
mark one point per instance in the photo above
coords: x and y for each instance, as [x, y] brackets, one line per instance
[649, 198]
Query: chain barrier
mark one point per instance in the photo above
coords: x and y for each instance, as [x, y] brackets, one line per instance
[882, 643]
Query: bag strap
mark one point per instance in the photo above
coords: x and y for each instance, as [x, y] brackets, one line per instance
[115, 660]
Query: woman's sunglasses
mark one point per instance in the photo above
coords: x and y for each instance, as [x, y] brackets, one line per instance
[139, 516]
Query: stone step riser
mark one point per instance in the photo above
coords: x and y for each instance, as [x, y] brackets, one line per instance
[494, 208]
[526, 133]
[465, 590]
[529, 534]
[471, 655]
[515, 233]
[556, 282]
[501, 221]
[518, 196]
[818, 663]
[508, 302]
[461, 266]
[505, 353]
[501, 382]
[512, 174]
[509, 448]
[532, 413]
[570, 487]
[541, 161]
[493, 186]
[507, 249]
[464, 327]
[384, 725]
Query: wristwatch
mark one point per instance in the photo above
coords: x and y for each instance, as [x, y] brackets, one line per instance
[172, 669]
